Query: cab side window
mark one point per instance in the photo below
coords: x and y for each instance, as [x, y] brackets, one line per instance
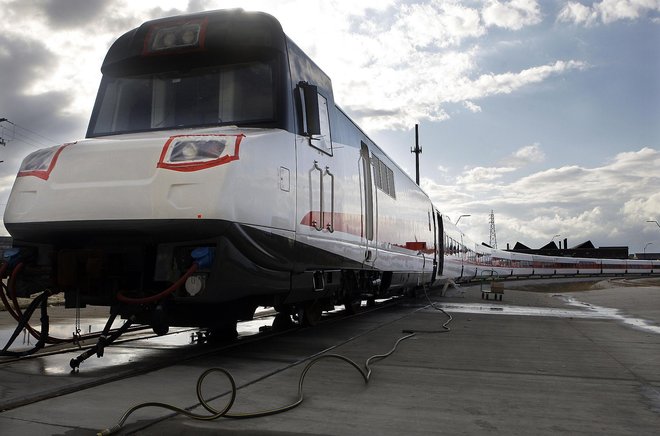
[314, 117]
[323, 141]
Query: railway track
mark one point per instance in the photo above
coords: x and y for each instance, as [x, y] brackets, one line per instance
[139, 353]
[135, 333]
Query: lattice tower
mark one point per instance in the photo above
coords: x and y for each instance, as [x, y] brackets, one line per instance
[493, 236]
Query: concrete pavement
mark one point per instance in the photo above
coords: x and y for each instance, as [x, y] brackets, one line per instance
[535, 363]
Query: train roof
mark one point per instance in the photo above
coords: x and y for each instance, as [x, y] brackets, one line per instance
[209, 36]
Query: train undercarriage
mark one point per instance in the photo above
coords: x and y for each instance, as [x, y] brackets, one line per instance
[193, 280]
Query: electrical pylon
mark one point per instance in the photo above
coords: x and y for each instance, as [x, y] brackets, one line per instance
[493, 236]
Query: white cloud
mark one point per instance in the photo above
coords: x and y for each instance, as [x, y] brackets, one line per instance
[490, 178]
[506, 83]
[608, 204]
[402, 64]
[526, 155]
[607, 11]
[474, 178]
[639, 207]
[514, 14]
[400, 99]
[437, 24]
[578, 14]
[471, 106]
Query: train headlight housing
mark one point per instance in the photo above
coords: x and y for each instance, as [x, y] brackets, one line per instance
[186, 151]
[175, 36]
[41, 162]
[196, 152]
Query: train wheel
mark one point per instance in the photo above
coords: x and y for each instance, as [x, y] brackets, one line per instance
[222, 333]
[310, 314]
[159, 322]
[352, 304]
[282, 322]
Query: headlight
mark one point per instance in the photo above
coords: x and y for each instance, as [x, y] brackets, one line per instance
[196, 152]
[41, 162]
[175, 36]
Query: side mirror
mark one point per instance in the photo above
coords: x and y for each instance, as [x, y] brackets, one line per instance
[309, 104]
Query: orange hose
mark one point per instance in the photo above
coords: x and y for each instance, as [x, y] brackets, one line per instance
[153, 298]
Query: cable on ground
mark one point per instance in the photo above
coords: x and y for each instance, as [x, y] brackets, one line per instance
[215, 414]
[445, 326]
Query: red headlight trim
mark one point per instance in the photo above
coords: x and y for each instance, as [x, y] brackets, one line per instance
[35, 168]
[172, 159]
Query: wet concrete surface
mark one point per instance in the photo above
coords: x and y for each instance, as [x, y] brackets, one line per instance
[536, 363]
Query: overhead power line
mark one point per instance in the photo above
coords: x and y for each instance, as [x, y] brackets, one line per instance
[10, 131]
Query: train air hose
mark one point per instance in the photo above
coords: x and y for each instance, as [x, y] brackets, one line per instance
[224, 412]
[157, 297]
[10, 301]
[10, 298]
[41, 300]
[106, 338]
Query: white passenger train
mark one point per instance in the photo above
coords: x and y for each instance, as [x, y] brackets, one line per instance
[466, 261]
[217, 175]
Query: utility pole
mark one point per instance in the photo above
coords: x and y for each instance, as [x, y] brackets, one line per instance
[2, 140]
[417, 150]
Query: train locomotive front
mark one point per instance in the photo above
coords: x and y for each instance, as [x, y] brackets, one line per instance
[186, 203]
[186, 170]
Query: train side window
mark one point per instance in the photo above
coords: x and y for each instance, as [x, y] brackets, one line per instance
[377, 179]
[314, 117]
[383, 176]
[390, 182]
[323, 141]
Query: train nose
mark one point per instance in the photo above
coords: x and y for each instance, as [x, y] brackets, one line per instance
[138, 176]
[105, 163]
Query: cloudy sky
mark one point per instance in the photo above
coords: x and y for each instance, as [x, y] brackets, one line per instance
[547, 112]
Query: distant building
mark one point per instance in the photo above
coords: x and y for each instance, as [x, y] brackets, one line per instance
[585, 249]
[646, 256]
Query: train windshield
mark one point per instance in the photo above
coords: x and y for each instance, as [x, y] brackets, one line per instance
[239, 94]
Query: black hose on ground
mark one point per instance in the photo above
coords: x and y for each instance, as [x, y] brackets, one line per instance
[215, 414]
[445, 326]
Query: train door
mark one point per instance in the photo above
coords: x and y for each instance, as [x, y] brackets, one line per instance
[316, 170]
[369, 207]
[439, 260]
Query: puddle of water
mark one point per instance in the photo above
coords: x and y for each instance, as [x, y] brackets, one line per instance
[249, 328]
[583, 311]
[57, 329]
[503, 309]
[615, 314]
